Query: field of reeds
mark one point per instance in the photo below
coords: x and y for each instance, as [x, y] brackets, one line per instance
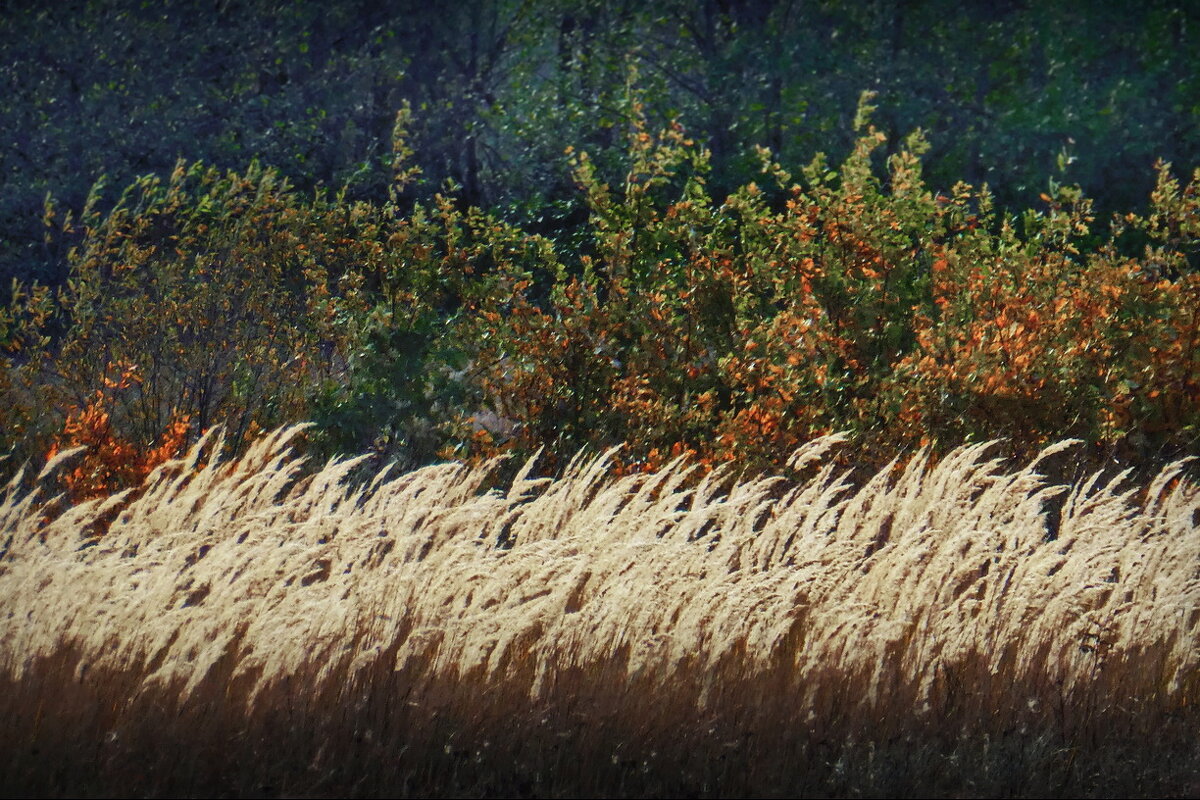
[253, 628]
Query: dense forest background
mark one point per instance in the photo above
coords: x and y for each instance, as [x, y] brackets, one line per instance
[399, 219]
[499, 88]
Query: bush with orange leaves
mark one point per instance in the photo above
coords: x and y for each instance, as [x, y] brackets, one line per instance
[736, 329]
[109, 462]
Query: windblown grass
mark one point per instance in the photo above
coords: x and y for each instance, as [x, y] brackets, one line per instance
[238, 629]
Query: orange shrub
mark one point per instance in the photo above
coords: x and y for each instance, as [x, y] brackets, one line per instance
[110, 463]
[737, 329]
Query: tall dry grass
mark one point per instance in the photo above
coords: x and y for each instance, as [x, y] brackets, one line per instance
[949, 628]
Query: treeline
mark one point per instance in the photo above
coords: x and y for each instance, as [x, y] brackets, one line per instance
[676, 321]
[1006, 90]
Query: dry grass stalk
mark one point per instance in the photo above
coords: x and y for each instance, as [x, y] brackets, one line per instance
[932, 604]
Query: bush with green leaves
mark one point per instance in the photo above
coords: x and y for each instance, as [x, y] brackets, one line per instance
[231, 299]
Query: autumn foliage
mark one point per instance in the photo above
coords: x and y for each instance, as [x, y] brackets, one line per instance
[108, 462]
[737, 329]
[730, 329]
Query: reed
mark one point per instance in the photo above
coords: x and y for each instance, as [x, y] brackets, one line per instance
[250, 627]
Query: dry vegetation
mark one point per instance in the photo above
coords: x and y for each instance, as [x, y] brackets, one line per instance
[952, 628]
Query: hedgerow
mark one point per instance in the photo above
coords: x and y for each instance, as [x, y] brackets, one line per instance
[732, 329]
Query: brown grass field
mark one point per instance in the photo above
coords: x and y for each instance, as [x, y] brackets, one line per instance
[963, 628]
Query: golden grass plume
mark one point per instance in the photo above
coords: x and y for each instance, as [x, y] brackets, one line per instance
[950, 627]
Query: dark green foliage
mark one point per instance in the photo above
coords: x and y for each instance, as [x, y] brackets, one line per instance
[1006, 91]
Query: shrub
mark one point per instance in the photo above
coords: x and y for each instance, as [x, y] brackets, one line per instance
[235, 301]
[737, 328]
